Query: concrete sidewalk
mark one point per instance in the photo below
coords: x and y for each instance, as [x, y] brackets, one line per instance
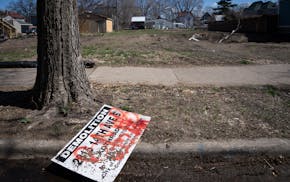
[196, 76]
[192, 76]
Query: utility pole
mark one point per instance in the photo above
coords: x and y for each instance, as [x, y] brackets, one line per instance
[117, 17]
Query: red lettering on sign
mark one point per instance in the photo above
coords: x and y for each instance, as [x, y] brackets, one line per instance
[130, 126]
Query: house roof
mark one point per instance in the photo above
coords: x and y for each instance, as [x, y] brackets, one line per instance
[255, 6]
[262, 5]
[94, 16]
[23, 22]
[260, 8]
[15, 15]
[184, 13]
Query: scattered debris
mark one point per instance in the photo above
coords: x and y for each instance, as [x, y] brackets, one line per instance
[166, 140]
[198, 167]
[24, 120]
[194, 37]
[75, 121]
[88, 63]
[274, 172]
[233, 32]
[213, 168]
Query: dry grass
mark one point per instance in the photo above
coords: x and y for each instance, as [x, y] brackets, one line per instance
[160, 48]
[178, 113]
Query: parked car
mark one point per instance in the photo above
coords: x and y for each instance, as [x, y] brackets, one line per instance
[137, 25]
[179, 25]
[32, 31]
[138, 22]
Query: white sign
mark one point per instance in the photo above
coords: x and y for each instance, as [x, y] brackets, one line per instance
[100, 150]
[138, 19]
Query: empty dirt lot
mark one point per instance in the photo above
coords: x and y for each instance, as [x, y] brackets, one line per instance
[179, 113]
[161, 48]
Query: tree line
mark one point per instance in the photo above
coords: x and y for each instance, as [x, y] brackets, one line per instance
[122, 10]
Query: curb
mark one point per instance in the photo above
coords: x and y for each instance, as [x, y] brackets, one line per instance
[22, 149]
[18, 64]
[33, 64]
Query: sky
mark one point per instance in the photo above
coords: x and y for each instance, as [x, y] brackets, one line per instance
[207, 3]
[212, 3]
[4, 3]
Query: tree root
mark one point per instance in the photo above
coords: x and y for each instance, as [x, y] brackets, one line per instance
[51, 114]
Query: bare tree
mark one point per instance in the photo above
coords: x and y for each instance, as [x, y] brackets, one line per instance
[166, 8]
[24, 7]
[88, 5]
[61, 78]
[126, 9]
[158, 6]
[154, 8]
[145, 6]
[193, 6]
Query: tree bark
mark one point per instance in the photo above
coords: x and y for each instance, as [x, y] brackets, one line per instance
[61, 77]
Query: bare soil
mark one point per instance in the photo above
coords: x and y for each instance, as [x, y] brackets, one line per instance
[178, 113]
[161, 48]
[172, 48]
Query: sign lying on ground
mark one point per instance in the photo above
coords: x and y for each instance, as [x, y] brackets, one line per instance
[102, 147]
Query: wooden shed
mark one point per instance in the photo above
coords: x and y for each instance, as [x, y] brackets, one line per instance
[94, 23]
[284, 15]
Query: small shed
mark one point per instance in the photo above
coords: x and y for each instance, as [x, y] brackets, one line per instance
[94, 23]
[284, 14]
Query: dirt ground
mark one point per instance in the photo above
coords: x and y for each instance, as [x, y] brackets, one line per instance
[174, 49]
[178, 113]
[161, 48]
[159, 167]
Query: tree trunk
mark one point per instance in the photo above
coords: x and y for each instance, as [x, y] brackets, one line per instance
[61, 77]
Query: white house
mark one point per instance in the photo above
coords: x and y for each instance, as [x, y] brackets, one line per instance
[17, 21]
[159, 24]
[186, 18]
